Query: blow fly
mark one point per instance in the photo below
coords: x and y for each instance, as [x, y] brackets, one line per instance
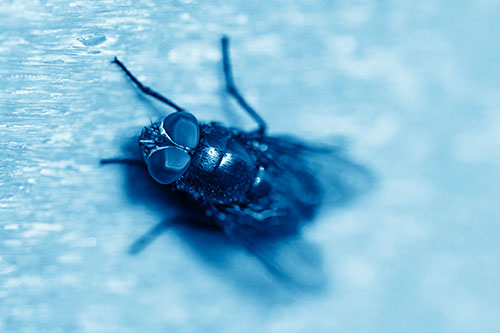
[258, 189]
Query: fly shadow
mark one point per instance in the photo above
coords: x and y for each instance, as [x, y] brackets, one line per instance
[206, 241]
[343, 181]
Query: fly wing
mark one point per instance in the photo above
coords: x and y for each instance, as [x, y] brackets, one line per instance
[339, 177]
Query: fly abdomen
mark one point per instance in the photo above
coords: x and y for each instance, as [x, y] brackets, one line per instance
[261, 187]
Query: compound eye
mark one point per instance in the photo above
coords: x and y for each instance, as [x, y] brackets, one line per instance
[183, 128]
[168, 164]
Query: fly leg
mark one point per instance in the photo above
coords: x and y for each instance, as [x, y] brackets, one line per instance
[147, 90]
[127, 161]
[142, 242]
[194, 221]
[233, 91]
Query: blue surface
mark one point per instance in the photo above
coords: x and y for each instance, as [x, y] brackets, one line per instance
[413, 88]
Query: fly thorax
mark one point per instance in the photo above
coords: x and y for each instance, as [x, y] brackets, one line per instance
[228, 172]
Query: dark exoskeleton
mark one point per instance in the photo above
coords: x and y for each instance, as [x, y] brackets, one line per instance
[256, 188]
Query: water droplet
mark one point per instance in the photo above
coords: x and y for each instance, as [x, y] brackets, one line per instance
[92, 39]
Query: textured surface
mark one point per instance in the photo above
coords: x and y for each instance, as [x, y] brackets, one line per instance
[414, 88]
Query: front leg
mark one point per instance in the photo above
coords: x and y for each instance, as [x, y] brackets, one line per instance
[126, 161]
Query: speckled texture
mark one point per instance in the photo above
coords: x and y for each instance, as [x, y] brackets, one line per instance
[413, 87]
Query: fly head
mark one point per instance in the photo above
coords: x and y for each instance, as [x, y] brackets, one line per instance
[167, 146]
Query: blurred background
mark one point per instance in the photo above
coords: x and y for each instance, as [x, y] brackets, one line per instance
[412, 88]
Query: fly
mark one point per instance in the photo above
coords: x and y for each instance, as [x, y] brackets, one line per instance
[258, 189]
